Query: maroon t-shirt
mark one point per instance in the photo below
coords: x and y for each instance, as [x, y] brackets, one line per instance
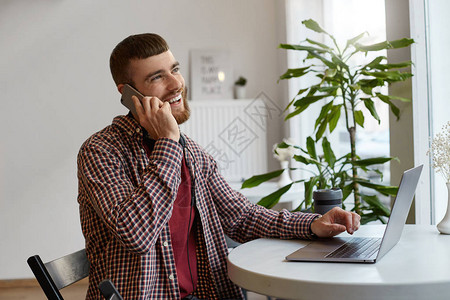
[182, 224]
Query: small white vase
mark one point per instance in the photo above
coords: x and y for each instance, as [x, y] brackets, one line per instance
[285, 179]
[444, 225]
[239, 91]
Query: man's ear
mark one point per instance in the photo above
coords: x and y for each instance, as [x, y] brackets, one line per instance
[120, 87]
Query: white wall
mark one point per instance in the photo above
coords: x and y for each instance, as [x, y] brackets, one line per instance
[56, 90]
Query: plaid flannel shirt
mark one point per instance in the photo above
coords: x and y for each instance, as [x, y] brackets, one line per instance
[125, 199]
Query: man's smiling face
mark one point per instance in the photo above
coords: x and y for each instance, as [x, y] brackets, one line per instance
[159, 76]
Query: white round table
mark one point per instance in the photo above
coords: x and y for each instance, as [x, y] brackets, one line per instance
[418, 267]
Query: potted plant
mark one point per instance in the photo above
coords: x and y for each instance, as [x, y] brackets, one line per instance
[343, 89]
[239, 88]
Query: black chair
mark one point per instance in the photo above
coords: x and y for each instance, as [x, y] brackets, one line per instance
[59, 273]
[109, 291]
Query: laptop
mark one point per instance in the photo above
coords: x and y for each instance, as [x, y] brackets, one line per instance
[365, 249]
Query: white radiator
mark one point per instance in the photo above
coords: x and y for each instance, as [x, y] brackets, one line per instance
[233, 132]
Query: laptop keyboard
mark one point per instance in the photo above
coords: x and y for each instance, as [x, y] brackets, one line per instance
[357, 247]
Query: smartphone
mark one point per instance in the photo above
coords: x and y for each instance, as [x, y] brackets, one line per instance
[126, 100]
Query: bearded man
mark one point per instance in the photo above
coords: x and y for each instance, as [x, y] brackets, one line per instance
[153, 206]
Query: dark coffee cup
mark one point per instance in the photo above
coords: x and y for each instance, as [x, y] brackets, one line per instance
[324, 200]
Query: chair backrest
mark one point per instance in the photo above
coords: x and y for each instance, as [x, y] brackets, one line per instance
[109, 291]
[59, 273]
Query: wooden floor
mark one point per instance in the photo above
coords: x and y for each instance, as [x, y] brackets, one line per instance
[29, 289]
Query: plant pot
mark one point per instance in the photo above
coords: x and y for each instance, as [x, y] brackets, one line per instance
[324, 200]
[240, 91]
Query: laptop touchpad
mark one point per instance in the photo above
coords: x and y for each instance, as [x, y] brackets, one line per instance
[317, 249]
[324, 245]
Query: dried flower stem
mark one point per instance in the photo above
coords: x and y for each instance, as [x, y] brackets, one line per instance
[440, 152]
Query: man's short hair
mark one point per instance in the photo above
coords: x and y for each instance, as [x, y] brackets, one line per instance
[139, 46]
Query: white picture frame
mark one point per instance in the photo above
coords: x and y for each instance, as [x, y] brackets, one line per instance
[211, 74]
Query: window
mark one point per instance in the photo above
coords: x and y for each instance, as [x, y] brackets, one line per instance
[430, 107]
[339, 19]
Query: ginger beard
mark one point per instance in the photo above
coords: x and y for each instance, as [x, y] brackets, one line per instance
[183, 116]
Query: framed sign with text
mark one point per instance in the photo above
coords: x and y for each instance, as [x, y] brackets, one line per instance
[211, 75]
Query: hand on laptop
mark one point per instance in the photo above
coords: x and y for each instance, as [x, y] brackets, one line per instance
[335, 222]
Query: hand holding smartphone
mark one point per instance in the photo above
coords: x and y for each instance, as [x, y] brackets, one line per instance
[165, 123]
[126, 100]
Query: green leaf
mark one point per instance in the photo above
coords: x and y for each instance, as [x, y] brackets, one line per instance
[373, 47]
[371, 161]
[338, 61]
[346, 191]
[258, 179]
[301, 91]
[401, 43]
[389, 76]
[387, 99]
[303, 103]
[328, 63]
[305, 160]
[371, 107]
[375, 204]
[313, 89]
[398, 98]
[323, 113]
[330, 90]
[355, 39]
[374, 62]
[395, 110]
[290, 104]
[384, 189]
[307, 100]
[271, 200]
[321, 130]
[282, 145]
[367, 90]
[371, 83]
[328, 153]
[294, 113]
[313, 25]
[405, 42]
[334, 116]
[294, 73]
[325, 47]
[309, 49]
[393, 66]
[309, 188]
[311, 147]
[367, 218]
[359, 118]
